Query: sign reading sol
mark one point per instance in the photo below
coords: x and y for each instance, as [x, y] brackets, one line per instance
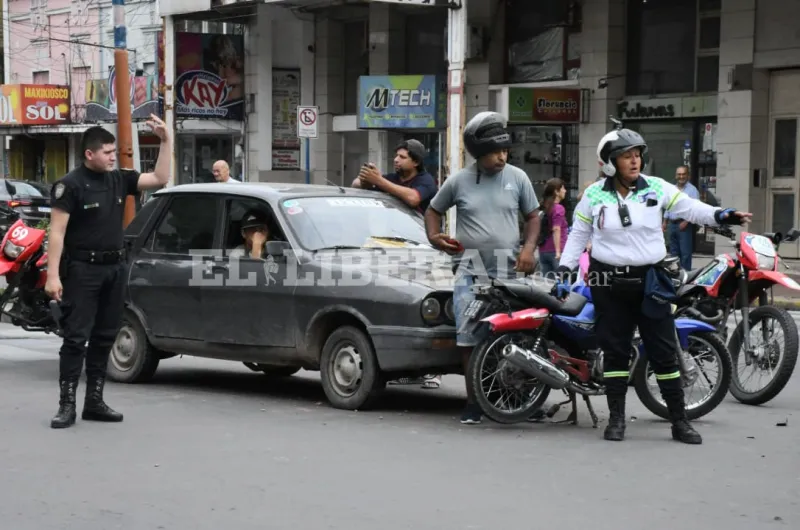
[34, 105]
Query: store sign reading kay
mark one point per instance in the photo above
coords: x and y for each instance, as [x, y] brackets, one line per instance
[34, 105]
[544, 105]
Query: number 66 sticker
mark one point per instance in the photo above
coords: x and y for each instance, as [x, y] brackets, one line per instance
[19, 232]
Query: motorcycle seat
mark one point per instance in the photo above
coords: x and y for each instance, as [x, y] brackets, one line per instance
[539, 297]
[693, 274]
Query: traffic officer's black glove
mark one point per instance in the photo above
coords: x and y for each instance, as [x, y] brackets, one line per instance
[727, 217]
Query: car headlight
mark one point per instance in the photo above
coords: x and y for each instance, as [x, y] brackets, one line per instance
[431, 309]
[11, 250]
[449, 310]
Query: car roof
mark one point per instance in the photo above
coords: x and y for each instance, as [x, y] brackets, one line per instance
[270, 190]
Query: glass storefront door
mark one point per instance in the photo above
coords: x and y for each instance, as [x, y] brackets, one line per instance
[197, 154]
[686, 142]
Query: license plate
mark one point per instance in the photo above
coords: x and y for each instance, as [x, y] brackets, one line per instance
[472, 309]
[44, 209]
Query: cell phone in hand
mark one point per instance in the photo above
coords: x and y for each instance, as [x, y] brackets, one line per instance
[455, 243]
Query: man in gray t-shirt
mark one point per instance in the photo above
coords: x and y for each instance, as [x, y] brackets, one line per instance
[488, 196]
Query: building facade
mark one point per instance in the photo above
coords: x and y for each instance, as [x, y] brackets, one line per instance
[58, 80]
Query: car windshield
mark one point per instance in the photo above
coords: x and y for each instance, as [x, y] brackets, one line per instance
[353, 222]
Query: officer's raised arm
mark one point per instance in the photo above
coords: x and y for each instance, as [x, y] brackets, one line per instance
[579, 235]
[698, 212]
[160, 175]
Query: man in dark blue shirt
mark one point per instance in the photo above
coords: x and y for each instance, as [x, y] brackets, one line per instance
[410, 182]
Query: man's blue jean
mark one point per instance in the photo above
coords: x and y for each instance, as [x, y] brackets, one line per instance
[681, 243]
[462, 296]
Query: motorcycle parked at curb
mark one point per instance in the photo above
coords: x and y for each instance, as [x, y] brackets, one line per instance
[537, 342]
[23, 263]
[730, 283]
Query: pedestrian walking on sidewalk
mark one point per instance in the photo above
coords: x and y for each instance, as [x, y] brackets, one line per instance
[85, 267]
[621, 215]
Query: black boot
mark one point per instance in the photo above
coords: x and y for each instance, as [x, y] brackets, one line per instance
[94, 408]
[682, 430]
[65, 417]
[615, 430]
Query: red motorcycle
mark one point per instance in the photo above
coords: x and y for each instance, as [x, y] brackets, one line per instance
[23, 263]
[730, 283]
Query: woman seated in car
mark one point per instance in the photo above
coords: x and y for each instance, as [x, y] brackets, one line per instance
[255, 231]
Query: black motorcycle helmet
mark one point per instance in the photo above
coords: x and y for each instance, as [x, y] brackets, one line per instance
[614, 144]
[486, 133]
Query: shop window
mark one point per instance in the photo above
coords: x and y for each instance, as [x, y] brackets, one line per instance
[708, 73]
[782, 212]
[785, 154]
[536, 37]
[188, 225]
[426, 51]
[661, 46]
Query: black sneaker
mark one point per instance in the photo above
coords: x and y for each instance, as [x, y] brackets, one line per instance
[471, 414]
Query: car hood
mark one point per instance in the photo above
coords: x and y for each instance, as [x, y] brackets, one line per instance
[428, 269]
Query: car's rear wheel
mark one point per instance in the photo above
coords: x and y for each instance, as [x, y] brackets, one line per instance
[273, 371]
[349, 369]
[132, 359]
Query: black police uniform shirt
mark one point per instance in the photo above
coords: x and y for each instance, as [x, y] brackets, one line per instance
[95, 203]
[423, 183]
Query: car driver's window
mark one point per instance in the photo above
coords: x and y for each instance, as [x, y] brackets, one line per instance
[237, 209]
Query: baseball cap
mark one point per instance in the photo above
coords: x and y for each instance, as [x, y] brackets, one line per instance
[254, 218]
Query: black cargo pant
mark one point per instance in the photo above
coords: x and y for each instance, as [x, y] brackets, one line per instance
[618, 303]
[93, 303]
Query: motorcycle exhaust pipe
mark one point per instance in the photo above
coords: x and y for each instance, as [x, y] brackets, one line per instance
[694, 313]
[536, 366]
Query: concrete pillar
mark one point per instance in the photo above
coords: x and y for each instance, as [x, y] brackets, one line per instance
[329, 75]
[386, 57]
[480, 74]
[602, 56]
[258, 81]
[743, 116]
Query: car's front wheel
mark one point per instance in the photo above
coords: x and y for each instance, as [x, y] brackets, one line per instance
[349, 369]
[132, 359]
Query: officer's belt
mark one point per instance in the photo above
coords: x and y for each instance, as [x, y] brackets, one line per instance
[102, 257]
[627, 271]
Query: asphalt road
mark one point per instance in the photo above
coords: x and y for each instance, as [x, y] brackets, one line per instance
[211, 445]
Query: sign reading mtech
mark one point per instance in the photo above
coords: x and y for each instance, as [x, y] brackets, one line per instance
[34, 105]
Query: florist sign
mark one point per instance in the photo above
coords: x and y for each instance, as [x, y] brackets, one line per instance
[210, 76]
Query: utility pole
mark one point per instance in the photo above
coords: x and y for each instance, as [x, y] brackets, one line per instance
[456, 52]
[122, 88]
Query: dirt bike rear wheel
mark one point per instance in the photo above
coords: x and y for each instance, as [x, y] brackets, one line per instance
[508, 375]
[788, 359]
[716, 395]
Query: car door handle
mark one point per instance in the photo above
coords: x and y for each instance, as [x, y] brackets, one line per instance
[146, 264]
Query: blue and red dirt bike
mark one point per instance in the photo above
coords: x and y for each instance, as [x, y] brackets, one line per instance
[733, 282]
[23, 264]
[537, 342]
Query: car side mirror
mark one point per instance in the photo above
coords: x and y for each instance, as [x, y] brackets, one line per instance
[792, 235]
[278, 248]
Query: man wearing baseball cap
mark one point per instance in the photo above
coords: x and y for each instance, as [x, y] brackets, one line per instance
[410, 182]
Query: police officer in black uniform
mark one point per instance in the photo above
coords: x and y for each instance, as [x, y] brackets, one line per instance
[621, 217]
[85, 268]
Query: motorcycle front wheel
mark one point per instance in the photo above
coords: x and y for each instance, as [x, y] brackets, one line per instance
[767, 354]
[505, 393]
[704, 349]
